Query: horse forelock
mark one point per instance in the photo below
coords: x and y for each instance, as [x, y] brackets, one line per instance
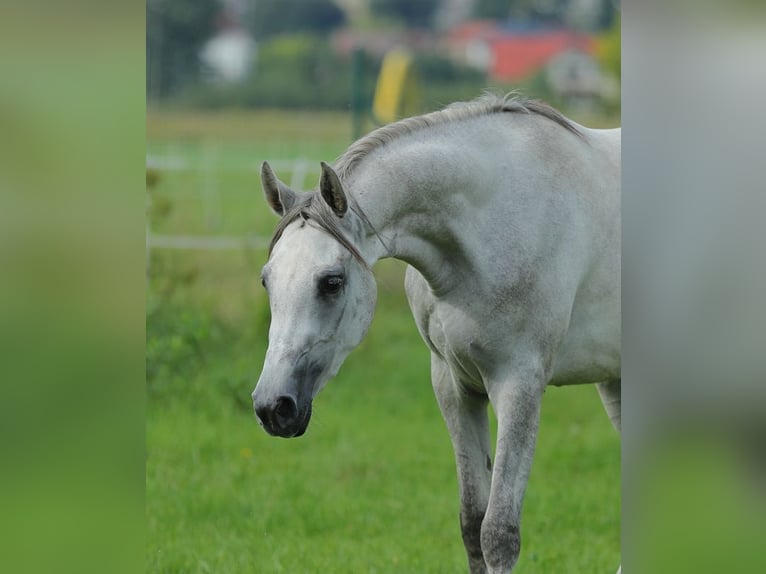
[489, 103]
[312, 207]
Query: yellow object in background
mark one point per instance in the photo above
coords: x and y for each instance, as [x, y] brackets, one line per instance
[397, 93]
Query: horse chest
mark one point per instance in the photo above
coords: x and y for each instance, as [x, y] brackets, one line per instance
[456, 336]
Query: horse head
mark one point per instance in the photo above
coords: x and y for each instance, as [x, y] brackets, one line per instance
[321, 294]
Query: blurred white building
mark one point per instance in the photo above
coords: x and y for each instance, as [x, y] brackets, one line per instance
[229, 55]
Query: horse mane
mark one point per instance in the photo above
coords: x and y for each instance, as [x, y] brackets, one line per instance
[487, 104]
[311, 206]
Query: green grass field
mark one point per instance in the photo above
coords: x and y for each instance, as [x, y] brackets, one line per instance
[372, 485]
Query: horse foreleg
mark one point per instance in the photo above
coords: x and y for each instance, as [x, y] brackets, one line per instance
[517, 404]
[466, 418]
[611, 397]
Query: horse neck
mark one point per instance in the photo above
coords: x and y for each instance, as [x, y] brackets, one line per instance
[413, 197]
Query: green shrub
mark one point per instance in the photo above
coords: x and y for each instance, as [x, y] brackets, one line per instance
[292, 71]
[177, 340]
[436, 69]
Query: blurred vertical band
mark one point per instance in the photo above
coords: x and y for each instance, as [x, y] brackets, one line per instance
[694, 279]
[72, 107]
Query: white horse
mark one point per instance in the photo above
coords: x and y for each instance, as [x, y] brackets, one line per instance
[508, 215]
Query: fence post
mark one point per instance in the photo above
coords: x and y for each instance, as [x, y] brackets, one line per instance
[298, 174]
[357, 99]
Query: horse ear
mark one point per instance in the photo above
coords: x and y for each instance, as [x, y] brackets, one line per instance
[279, 197]
[332, 191]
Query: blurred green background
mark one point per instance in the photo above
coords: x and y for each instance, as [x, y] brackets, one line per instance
[372, 486]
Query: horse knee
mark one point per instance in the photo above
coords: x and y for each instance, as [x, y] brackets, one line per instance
[500, 544]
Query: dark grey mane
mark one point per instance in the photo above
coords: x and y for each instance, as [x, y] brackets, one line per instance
[484, 105]
[312, 207]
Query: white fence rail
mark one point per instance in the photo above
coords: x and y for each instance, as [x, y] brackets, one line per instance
[211, 201]
[205, 242]
[299, 167]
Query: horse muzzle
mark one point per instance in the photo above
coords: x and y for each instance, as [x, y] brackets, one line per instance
[281, 416]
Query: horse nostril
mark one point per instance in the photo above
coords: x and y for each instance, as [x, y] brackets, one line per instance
[261, 413]
[286, 410]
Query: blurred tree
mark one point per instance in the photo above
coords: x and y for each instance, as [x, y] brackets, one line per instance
[435, 68]
[418, 13]
[589, 15]
[503, 9]
[552, 11]
[176, 30]
[273, 17]
[492, 9]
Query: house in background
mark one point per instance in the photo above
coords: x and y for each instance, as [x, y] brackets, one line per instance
[516, 51]
[470, 43]
[524, 49]
[577, 76]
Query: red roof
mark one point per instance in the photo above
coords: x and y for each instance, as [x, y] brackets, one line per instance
[519, 56]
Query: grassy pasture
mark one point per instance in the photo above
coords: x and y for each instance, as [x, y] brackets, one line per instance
[372, 486]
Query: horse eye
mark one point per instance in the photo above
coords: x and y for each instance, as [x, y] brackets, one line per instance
[331, 284]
